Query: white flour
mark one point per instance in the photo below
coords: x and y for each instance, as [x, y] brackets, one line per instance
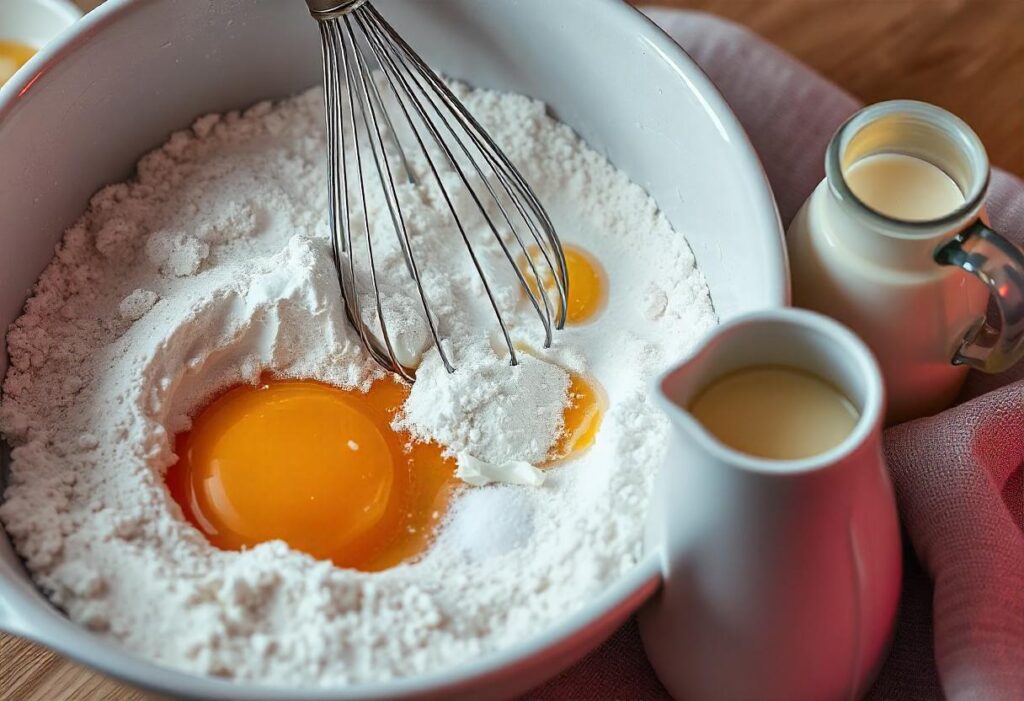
[212, 266]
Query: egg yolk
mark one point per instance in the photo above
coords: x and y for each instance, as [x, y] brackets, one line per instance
[315, 466]
[582, 419]
[587, 284]
[13, 55]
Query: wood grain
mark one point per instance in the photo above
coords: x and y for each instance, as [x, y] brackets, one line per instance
[31, 673]
[965, 55]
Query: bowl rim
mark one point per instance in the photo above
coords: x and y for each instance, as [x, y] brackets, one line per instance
[38, 620]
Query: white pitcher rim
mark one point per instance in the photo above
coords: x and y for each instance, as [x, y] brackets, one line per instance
[870, 416]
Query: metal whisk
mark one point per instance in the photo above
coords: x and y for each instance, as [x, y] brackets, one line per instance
[367, 65]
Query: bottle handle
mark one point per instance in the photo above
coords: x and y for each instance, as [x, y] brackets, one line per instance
[1000, 265]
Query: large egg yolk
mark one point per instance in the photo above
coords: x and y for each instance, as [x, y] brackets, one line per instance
[587, 284]
[13, 55]
[315, 466]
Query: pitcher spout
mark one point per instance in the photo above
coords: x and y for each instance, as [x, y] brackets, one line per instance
[676, 387]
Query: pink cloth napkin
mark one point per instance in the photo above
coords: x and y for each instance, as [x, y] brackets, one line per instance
[958, 475]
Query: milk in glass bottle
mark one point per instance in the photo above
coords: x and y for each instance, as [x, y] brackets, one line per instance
[895, 244]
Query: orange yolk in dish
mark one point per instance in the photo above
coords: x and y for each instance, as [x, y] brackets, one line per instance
[315, 466]
[13, 55]
[588, 288]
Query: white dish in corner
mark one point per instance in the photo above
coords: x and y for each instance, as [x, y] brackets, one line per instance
[36, 22]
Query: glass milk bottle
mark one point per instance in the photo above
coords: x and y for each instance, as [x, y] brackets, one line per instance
[895, 244]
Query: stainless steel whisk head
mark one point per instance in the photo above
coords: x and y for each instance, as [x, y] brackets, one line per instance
[358, 46]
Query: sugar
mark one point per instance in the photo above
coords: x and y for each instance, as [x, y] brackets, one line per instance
[491, 522]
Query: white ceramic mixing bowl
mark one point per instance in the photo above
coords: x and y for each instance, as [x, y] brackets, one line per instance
[88, 106]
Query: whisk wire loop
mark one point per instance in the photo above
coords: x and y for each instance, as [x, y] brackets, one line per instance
[507, 173]
[390, 70]
[450, 157]
[364, 57]
[357, 81]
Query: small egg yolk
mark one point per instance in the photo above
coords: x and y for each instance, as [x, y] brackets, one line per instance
[587, 284]
[582, 418]
[13, 55]
[315, 466]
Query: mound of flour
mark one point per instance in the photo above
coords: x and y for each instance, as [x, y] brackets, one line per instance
[212, 266]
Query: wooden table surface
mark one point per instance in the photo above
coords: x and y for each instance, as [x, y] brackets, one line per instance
[965, 55]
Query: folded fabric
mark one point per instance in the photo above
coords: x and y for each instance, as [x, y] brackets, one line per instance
[958, 475]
